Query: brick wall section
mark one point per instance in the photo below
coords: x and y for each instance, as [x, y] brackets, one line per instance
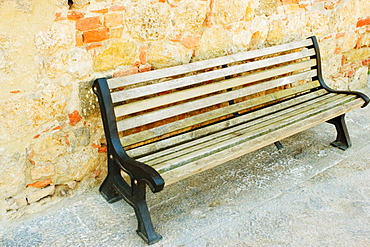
[107, 23]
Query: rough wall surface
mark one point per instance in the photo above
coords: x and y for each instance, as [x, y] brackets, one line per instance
[51, 138]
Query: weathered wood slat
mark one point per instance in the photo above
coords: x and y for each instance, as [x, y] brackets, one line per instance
[209, 101]
[261, 141]
[260, 122]
[178, 139]
[200, 65]
[197, 119]
[193, 152]
[210, 88]
[207, 76]
[216, 145]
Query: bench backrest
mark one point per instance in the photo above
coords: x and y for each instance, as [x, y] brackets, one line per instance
[157, 104]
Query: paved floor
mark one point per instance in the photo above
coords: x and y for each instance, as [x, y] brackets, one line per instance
[308, 194]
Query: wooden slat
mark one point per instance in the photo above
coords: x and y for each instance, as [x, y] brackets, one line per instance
[207, 76]
[217, 145]
[178, 139]
[197, 119]
[254, 120]
[209, 101]
[200, 65]
[209, 88]
[221, 157]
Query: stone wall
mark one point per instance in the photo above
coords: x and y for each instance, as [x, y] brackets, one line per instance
[51, 138]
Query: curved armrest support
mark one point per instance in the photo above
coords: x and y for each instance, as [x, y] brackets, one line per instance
[321, 79]
[137, 170]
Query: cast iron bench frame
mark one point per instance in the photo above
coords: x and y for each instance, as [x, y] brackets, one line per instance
[281, 89]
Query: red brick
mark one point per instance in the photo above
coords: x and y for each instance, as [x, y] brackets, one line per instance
[74, 118]
[59, 17]
[100, 11]
[340, 35]
[95, 145]
[363, 22]
[130, 71]
[40, 184]
[359, 42]
[349, 73]
[329, 6]
[79, 39]
[289, 1]
[96, 173]
[103, 149]
[337, 50]
[96, 35]
[57, 128]
[145, 68]
[366, 62]
[191, 41]
[75, 15]
[92, 46]
[113, 20]
[143, 54]
[117, 8]
[89, 23]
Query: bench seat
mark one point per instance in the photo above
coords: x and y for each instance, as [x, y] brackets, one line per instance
[165, 125]
[227, 140]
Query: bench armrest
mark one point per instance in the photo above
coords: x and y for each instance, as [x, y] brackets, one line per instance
[137, 170]
[321, 78]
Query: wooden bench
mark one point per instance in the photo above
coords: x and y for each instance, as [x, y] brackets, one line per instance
[168, 124]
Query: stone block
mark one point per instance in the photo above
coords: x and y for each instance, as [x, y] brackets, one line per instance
[119, 53]
[113, 20]
[215, 42]
[52, 39]
[149, 21]
[267, 7]
[12, 174]
[360, 78]
[228, 12]
[357, 55]
[189, 16]
[38, 172]
[39, 194]
[166, 54]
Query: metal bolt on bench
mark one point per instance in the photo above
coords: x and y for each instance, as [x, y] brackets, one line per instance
[165, 125]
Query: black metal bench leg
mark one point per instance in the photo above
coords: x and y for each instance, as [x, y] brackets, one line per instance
[107, 189]
[108, 192]
[343, 140]
[145, 226]
[278, 145]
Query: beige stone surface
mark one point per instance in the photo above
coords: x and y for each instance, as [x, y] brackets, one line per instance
[163, 54]
[49, 117]
[357, 55]
[216, 41]
[119, 53]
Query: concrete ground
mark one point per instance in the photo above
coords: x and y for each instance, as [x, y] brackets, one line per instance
[308, 194]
